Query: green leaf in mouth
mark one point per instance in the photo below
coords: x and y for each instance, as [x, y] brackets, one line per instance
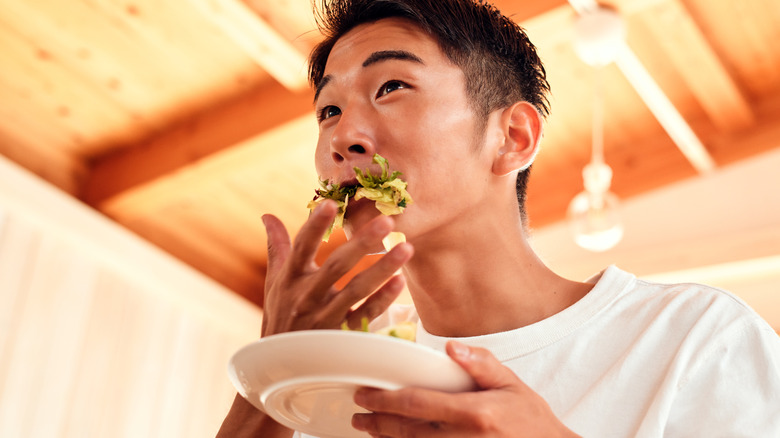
[387, 191]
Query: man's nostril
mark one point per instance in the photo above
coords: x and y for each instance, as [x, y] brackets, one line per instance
[358, 149]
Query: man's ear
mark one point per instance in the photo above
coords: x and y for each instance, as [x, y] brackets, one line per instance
[522, 128]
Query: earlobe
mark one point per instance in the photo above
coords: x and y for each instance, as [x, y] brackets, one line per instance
[522, 129]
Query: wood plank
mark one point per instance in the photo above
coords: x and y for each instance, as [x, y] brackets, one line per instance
[293, 19]
[194, 139]
[259, 155]
[744, 34]
[732, 147]
[211, 259]
[42, 84]
[64, 171]
[521, 10]
[115, 73]
[218, 215]
[672, 26]
[259, 40]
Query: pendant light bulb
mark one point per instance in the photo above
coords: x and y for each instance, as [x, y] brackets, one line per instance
[594, 216]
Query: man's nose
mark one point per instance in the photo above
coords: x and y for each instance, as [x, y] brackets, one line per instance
[353, 138]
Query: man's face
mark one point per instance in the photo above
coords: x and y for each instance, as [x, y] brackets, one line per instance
[389, 89]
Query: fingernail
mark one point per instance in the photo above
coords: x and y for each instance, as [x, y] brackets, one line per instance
[322, 206]
[460, 350]
[359, 422]
[401, 252]
[360, 396]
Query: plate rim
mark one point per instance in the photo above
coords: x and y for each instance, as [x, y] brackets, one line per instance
[259, 395]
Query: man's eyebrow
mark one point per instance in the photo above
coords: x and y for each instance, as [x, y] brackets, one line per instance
[383, 55]
[323, 82]
[374, 58]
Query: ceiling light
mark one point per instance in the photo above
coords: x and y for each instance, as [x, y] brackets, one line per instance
[594, 216]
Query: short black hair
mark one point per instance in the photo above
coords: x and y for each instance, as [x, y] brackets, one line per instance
[499, 62]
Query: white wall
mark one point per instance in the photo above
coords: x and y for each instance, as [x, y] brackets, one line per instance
[101, 334]
[721, 229]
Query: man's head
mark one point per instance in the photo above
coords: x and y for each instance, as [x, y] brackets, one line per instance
[499, 63]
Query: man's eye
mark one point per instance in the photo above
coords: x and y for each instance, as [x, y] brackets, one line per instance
[328, 112]
[389, 87]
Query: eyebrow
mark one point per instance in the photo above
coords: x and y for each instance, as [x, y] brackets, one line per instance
[376, 57]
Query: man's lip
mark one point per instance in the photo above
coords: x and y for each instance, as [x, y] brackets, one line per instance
[348, 183]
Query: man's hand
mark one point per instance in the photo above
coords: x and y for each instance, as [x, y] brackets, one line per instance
[300, 295]
[504, 406]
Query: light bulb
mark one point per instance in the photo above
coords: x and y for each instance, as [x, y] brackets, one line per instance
[594, 216]
[595, 221]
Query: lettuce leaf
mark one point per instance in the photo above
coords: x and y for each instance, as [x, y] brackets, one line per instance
[386, 190]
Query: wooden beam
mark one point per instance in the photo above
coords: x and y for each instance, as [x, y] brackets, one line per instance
[59, 168]
[688, 50]
[211, 259]
[258, 40]
[287, 149]
[194, 139]
[735, 146]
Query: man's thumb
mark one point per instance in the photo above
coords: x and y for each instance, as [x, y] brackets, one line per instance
[480, 363]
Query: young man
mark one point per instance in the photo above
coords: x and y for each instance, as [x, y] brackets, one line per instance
[452, 94]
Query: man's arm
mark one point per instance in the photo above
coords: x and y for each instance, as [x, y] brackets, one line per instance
[245, 421]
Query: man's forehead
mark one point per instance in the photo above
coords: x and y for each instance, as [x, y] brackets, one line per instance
[384, 34]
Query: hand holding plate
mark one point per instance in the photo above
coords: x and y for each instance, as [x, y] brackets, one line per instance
[503, 406]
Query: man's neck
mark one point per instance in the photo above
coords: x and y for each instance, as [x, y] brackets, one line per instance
[496, 284]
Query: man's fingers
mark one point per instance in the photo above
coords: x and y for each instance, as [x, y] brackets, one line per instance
[372, 278]
[388, 425]
[346, 256]
[424, 404]
[309, 238]
[377, 302]
[278, 241]
[480, 363]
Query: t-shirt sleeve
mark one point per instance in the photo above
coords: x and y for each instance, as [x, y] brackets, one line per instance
[733, 390]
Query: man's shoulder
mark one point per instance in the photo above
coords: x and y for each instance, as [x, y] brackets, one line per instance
[695, 295]
[700, 305]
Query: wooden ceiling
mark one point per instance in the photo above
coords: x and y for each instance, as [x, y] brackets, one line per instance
[186, 120]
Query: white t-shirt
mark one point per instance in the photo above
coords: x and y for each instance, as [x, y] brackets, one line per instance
[639, 359]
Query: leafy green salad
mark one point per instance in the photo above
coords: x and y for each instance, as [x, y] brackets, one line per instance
[386, 190]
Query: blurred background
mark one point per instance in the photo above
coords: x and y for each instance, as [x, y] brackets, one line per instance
[141, 141]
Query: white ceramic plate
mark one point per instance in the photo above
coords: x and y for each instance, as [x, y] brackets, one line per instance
[305, 380]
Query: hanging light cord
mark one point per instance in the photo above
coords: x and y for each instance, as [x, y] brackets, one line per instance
[597, 153]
